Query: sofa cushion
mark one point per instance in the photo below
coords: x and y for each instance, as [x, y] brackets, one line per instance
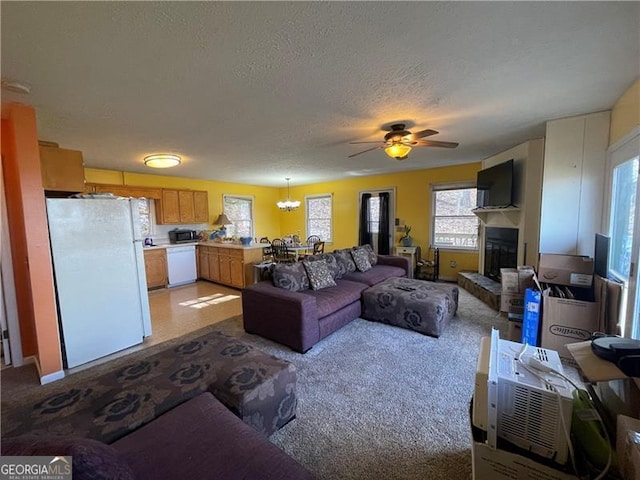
[202, 439]
[290, 276]
[373, 257]
[319, 274]
[361, 259]
[376, 275]
[345, 260]
[91, 459]
[332, 299]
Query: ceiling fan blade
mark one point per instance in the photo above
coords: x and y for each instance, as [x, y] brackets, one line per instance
[365, 151]
[435, 143]
[354, 143]
[423, 133]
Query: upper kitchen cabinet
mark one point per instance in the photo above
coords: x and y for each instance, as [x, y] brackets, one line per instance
[183, 206]
[62, 169]
[126, 190]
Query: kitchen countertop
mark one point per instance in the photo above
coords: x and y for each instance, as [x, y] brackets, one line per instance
[206, 244]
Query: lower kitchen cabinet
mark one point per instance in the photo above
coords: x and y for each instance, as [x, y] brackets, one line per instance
[155, 266]
[227, 265]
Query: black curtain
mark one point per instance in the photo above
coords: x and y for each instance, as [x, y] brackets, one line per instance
[364, 235]
[383, 236]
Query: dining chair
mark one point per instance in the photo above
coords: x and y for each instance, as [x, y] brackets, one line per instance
[280, 252]
[267, 252]
[318, 247]
[312, 240]
[429, 268]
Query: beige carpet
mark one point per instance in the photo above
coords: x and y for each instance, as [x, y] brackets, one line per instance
[374, 401]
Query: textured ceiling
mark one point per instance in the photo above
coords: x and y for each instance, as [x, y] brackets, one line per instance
[253, 92]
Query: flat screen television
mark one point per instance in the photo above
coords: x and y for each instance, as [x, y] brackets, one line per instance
[495, 185]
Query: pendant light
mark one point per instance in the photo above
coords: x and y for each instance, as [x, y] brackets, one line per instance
[288, 204]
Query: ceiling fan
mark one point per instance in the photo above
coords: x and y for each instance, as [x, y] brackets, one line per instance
[398, 142]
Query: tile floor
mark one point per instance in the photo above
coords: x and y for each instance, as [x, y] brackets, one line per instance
[181, 310]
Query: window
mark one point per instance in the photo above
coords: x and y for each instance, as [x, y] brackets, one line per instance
[145, 208]
[453, 223]
[319, 209]
[240, 212]
[623, 191]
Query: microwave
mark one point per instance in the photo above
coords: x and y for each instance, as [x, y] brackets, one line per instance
[183, 236]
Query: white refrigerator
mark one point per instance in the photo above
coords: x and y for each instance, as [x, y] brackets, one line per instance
[100, 280]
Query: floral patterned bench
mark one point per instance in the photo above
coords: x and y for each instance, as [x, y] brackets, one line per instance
[258, 388]
[425, 307]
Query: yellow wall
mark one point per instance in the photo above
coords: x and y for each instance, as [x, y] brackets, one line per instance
[413, 204]
[625, 115]
[267, 215]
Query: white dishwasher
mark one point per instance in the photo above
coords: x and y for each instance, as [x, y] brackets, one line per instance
[181, 263]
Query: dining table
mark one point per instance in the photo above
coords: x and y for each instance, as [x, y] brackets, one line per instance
[297, 249]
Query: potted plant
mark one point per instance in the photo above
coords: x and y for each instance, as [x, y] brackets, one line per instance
[406, 239]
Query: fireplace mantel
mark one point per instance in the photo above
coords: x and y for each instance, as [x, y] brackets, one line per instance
[497, 216]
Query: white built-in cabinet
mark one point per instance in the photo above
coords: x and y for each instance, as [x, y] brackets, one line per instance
[573, 183]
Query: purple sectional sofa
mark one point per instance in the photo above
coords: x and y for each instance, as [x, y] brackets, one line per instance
[289, 312]
[199, 439]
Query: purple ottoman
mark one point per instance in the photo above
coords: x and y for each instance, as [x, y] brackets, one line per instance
[425, 307]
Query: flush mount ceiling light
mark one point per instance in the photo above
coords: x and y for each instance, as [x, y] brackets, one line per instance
[162, 160]
[288, 204]
[16, 87]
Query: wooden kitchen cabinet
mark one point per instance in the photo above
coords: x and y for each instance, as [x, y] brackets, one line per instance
[201, 206]
[203, 262]
[155, 266]
[228, 265]
[62, 170]
[125, 190]
[183, 206]
[214, 266]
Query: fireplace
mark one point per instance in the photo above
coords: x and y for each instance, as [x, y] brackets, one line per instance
[500, 250]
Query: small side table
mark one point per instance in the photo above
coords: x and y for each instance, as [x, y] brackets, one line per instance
[410, 252]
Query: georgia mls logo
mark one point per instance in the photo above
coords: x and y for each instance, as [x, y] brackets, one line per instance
[35, 468]
[570, 332]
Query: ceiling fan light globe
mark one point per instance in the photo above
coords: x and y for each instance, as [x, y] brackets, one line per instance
[398, 151]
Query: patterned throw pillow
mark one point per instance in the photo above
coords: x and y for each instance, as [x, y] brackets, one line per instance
[373, 257]
[361, 259]
[319, 275]
[332, 263]
[290, 276]
[345, 260]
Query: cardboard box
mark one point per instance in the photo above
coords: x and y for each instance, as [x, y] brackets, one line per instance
[532, 321]
[512, 302]
[567, 321]
[572, 270]
[515, 331]
[628, 447]
[499, 464]
[517, 280]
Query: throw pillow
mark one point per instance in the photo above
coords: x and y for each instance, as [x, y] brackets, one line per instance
[319, 275]
[92, 459]
[332, 263]
[361, 259]
[373, 257]
[345, 260]
[290, 276]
